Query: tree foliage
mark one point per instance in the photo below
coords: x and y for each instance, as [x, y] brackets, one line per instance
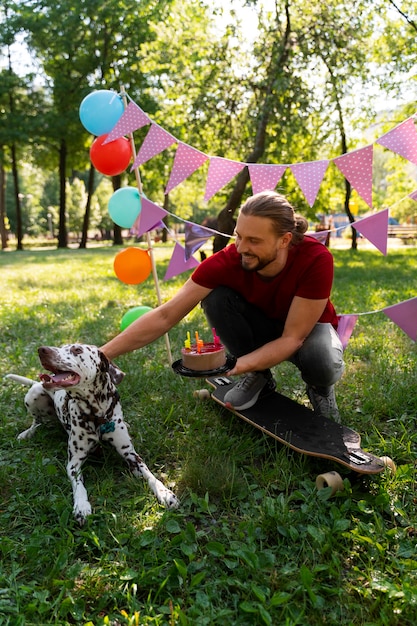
[304, 82]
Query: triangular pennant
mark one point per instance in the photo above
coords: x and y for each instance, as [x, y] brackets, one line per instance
[309, 176]
[155, 142]
[265, 177]
[220, 172]
[402, 139]
[186, 161]
[320, 235]
[345, 328]
[356, 166]
[413, 195]
[375, 228]
[132, 118]
[178, 264]
[149, 217]
[404, 315]
[195, 237]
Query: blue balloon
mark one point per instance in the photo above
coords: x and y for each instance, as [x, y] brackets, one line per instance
[124, 206]
[100, 111]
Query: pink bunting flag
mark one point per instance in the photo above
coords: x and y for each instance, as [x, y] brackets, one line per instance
[132, 118]
[404, 315]
[265, 177]
[345, 328]
[178, 264]
[149, 217]
[356, 166]
[402, 139]
[220, 172]
[186, 161]
[195, 237]
[320, 235]
[309, 177]
[375, 229]
[157, 140]
[413, 195]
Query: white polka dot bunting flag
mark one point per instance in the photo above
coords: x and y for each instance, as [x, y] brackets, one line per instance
[155, 142]
[132, 118]
[309, 176]
[265, 177]
[220, 172]
[186, 161]
[356, 166]
[402, 139]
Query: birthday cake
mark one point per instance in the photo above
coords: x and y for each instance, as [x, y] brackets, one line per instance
[203, 357]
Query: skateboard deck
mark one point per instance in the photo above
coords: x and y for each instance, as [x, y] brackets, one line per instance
[299, 428]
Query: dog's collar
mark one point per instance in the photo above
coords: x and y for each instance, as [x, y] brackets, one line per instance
[107, 427]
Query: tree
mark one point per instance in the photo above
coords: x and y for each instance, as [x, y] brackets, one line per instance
[80, 45]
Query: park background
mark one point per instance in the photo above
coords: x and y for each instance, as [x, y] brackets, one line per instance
[252, 543]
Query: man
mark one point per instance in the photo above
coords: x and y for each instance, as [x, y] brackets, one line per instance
[267, 295]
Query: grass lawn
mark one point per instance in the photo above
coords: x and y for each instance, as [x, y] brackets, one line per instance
[253, 541]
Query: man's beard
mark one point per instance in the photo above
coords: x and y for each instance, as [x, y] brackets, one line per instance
[257, 266]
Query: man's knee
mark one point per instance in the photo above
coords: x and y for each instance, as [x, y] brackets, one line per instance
[217, 300]
[321, 357]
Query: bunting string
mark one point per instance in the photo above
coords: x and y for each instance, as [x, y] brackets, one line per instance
[356, 167]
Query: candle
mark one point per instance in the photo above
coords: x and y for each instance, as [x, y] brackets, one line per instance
[215, 337]
[187, 342]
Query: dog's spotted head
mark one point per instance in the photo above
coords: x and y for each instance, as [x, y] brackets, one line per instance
[75, 364]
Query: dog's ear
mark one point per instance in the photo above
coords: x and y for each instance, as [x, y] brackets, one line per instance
[115, 372]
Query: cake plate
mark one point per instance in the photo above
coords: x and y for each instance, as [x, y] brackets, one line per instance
[179, 368]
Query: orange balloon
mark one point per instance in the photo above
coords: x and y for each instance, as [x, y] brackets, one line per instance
[132, 266]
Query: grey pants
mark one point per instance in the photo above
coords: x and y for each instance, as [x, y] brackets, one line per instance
[243, 327]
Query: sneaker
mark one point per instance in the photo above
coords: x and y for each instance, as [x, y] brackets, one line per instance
[246, 392]
[324, 404]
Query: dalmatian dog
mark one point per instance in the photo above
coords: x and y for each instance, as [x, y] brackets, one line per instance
[80, 391]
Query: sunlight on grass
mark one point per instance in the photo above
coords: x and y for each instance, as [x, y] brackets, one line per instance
[253, 542]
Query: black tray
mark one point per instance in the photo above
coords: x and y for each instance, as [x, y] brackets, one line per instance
[179, 368]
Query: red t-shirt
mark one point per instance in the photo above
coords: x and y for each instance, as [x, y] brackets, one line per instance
[308, 273]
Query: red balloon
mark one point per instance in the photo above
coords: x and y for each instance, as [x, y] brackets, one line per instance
[132, 266]
[112, 158]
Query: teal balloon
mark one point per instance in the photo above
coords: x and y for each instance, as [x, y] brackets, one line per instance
[133, 314]
[100, 111]
[124, 206]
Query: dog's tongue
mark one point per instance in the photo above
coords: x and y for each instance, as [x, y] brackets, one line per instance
[61, 379]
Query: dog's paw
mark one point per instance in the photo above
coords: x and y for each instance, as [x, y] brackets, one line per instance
[165, 496]
[82, 511]
[171, 501]
[27, 434]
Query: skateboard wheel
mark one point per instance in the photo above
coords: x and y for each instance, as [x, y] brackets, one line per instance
[201, 394]
[330, 479]
[389, 463]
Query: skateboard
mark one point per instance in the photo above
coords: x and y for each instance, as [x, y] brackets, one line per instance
[302, 430]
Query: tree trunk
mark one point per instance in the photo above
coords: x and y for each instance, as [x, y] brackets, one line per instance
[117, 231]
[166, 219]
[3, 231]
[226, 221]
[19, 223]
[62, 231]
[344, 146]
[86, 221]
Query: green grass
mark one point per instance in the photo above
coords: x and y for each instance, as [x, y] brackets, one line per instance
[253, 542]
